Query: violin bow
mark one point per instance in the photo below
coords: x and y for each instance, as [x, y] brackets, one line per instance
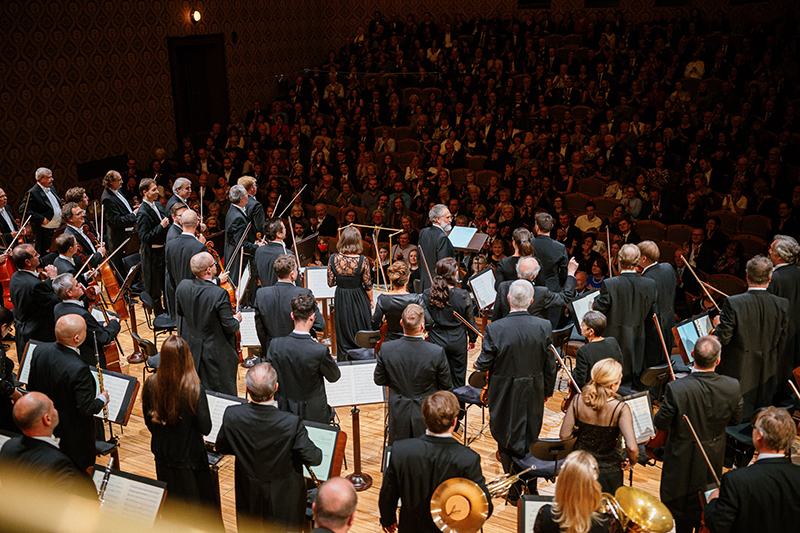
[699, 281]
[86, 263]
[564, 366]
[702, 450]
[470, 326]
[664, 346]
[425, 262]
[236, 250]
[292, 201]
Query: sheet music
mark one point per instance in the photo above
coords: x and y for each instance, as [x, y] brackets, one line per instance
[25, 369]
[117, 388]
[376, 292]
[130, 499]
[461, 235]
[248, 329]
[584, 305]
[703, 325]
[642, 414]
[325, 440]
[217, 406]
[355, 387]
[240, 290]
[98, 315]
[531, 510]
[483, 287]
[317, 282]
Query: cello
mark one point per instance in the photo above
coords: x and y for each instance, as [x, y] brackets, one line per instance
[659, 440]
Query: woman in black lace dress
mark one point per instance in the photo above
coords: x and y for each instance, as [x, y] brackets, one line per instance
[600, 419]
[349, 272]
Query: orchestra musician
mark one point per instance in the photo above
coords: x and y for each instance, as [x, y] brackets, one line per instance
[599, 419]
[434, 242]
[784, 253]
[507, 267]
[178, 252]
[151, 225]
[176, 412]
[67, 262]
[528, 268]
[209, 326]
[236, 222]
[253, 209]
[8, 391]
[712, 402]
[442, 299]
[577, 499]
[335, 506]
[271, 447]
[519, 364]
[38, 451]
[628, 301]
[596, 348]
[553, 258]
[273, 304]
[70, 292]
[418, 466]
[412, 369]
[666, 281]
[42, 204]
[181, 191]
[59, 372]
[274, 234]
[753, 328]
[119, 217]
[390, 305]
[75, 216]
[33, 298]
[8, 226]
[175, 230]
[303, 364]
[764, 496]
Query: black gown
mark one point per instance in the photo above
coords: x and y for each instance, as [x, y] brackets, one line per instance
[450, 333]
[391, 307]
[351, 276]
[180, 454]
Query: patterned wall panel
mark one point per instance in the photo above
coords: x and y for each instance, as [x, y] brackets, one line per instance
[89, 79]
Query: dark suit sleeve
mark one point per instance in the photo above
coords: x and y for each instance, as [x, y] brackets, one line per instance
[235, 232]
[377, 315]
[381, 376]
[721, 513]
[562, 298]
[550, 369]
[581, 368]
[258, 217]
[203, 413]
[223, 308]
[114, 217]
[148, 232]
[328, 367]
[389, 496]
[485, 360]
[84, 395]
[668, 411]
[496, 313]
[475, 474]
[303, 447]
[105, 334]
[727, 323]
[443, 376]
[222, 445]
[563, 261]
[603, 301]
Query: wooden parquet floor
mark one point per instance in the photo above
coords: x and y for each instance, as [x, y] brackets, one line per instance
[135, 455]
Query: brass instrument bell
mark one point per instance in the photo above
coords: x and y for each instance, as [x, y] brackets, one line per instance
[636, 510]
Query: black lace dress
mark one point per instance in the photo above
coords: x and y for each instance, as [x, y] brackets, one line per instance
[605, 444]
[351, 276]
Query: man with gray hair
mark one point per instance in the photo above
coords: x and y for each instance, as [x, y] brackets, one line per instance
[629, 301]
[181, 191]
[271, 447]
[543, 299]
[753, 328]
[43, 205]
[433, 242]
[236, 223]
[335, 506]
[209, 326]
[784, 252]
[516, 355]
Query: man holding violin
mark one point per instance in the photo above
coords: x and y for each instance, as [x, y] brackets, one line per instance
[8, 226]
[75, 217]
[70, 293]
[33, 298]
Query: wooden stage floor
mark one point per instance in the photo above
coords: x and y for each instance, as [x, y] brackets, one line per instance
[135, 455]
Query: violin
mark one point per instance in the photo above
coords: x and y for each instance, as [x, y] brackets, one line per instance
[7, 270]
[656, 443]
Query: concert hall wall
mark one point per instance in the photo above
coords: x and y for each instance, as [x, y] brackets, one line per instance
[86, 80]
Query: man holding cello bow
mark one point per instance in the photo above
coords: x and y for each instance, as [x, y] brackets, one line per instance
[712, 402]
[33, 298]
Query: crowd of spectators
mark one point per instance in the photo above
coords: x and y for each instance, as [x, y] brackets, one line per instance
[600, 121]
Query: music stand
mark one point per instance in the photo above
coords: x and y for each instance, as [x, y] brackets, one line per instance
[306, 247]
[133, 328]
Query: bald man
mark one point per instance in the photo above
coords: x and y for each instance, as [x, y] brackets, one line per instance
[58, 371]
[335, 506]
[37, 449]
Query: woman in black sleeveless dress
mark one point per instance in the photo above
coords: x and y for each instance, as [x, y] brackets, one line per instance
[600, 419]
[349, 272]
[447, 331]
[390, 305]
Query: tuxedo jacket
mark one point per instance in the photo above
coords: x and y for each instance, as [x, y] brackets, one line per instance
[174, 199]
[209, 328]
[664, 277]
[105, 334]
[786, 284]
[59, 372]
[235, 223]
[83, 241]
[44, 462]
[178, 254]
[416, 467]
[274, 312]
[33, 301]
[118, 219]
[435, 246]
[711, 402]
[543, 299]
[38, 205]
[552, 256]
[265, 258]
[151, 232]
[271, 447]
[413, 369]
[255, 212]
[753, 331]
[303, 365]
[5, 229]
[765, 496]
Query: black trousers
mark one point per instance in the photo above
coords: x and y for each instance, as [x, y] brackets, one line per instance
[153, 274]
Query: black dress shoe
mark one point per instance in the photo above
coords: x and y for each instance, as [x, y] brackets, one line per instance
[250, 362]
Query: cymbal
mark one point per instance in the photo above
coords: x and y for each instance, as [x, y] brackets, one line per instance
[458, 505]
[477, 379]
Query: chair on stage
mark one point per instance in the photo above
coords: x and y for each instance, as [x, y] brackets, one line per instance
[150, 353]
[161, 324]
[545, 456]
[470, 395]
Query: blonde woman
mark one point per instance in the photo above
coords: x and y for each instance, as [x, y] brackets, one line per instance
[600, 419]
[577, 499]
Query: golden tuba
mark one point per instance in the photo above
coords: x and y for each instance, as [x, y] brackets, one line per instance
[637, 511]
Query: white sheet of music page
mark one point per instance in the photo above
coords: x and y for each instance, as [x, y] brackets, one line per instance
[117, 388]
[248, 329]
[217, 407]
[130, 499]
